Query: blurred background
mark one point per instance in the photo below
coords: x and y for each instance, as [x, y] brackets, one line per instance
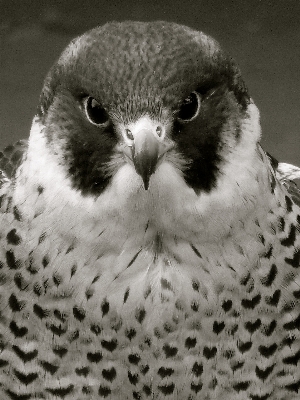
[262, 35]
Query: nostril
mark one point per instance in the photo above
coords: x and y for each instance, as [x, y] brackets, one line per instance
[159, 131]
[129, 134]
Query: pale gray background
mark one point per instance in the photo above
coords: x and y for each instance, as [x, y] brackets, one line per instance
[263, 36]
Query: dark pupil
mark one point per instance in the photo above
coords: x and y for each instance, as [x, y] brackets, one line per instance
[96, 113]
[189, 107]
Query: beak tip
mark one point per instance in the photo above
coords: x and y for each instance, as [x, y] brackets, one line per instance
[146, 180]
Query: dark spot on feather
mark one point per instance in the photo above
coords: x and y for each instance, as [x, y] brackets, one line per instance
[58, 330]
[45, 261]
[73, 270]
[233, 330]
[268, 253]
[209, 352]
[262, 397]
[165, 284]
[140, 315]
[289, 204]
[133, 260]
[245, 280]
[40, 312]
[195, 250]
[228, 354]
[19, 280]
[79, 313]
[42, 237]
[105, 307]
[17, 214]
[104, 391]
[89, 293]
[109, 374]
[264, 373]
[57, 279]
[109, 345]
[195, 285]
[86, 390]
[147, 292]
[267, 351]
[134, 359]
[296, 294]
[244, 346]
[40, 189]
[133, 378]
[295, 261]
[16, 330]
[32, 268]
[11, 261]
[49, 367]
[274, 299]
[163, 372]
[126, 294]
[269, 329]
[269, 279]
[262, 239]
[73, 336]
[37, 289]
[196, 387]
[227, 305]
[26, 379]
[15, 304]
[293, 387]
[70, 248]
[252, 326]
[292, 360]
[218, 327]
[213, 383]
[237, 365]
[167, 389]
[62, 391]
[281, 224]
[190, 343]
[96, 329]
[147, 390]
[94, 357]
[290, 240]
[130, 333]
[96, 279]
[170, 351]
[16, 396]
[23, 355]
[60, 351]
[84, 371]
[294, 324]
[13, 238]
[251, 303]
[62, 316]
[241, 386]
[145, 369]
[197, 369]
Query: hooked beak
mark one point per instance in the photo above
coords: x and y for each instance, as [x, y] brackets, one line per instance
[146, 140]
[145, 150]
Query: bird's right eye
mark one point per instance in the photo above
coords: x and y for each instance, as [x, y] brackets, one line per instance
[95, 113]
[189, 108]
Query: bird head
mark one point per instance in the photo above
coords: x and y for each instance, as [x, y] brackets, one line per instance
[143, 91]
[156, 105]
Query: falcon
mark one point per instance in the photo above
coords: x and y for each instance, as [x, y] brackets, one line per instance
[150, 248]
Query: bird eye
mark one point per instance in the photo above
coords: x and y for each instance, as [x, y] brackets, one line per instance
[95, 113]
[190, 107]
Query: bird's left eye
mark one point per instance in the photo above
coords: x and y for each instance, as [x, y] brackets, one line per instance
[95, 113]
[190, 107]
